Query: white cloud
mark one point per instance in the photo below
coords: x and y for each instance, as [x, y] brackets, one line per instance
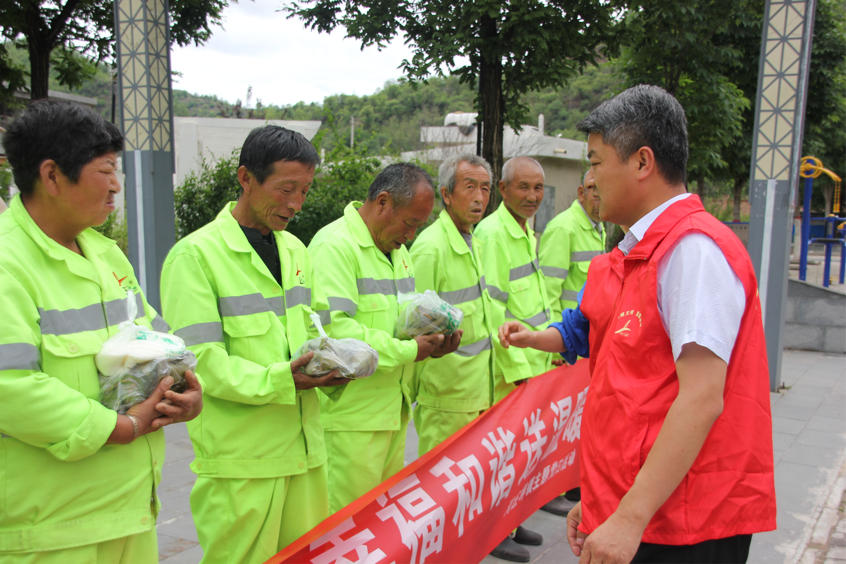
[284, 62]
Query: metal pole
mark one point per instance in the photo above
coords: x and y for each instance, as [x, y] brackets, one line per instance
[842, 263]
[806, 225]
[776, 145]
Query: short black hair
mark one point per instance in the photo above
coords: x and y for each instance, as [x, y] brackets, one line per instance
[270, 143]
[400, 180]
[70, 134]
[644, 116]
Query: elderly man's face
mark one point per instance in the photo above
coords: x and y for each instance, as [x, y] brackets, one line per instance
[589, 196]
[469, 197]
[400, 224]
[524, 194]
[93, 195]
[273, 203]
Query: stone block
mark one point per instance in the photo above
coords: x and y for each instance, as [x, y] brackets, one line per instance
[804, 337]
[821, 310]
[835, 340]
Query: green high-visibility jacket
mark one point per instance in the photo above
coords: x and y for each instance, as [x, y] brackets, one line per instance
[567, 246]
[60, 485]
[444, 263]
[361, 287]
[516, 286]
[220, 297]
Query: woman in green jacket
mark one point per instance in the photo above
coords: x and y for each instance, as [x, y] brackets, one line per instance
[77, 480]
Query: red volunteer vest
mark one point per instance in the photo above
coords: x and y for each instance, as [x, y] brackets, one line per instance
[729, 490]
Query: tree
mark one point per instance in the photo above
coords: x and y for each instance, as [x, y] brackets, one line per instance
[688, 47]
[511, 47]
[201, 196]
[56, 31]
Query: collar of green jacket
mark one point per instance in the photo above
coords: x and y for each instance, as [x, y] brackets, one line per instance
[357, 226]
[91, 242]
[456, 241]
[511, 224]
[582, 218]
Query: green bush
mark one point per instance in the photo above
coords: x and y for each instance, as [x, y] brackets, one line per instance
[5, 181]
[201, 196]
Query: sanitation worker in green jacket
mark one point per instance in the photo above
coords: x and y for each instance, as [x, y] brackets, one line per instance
[363, 266]
[453, 390]
[567, 246]
[77, 480]
[512, 274]
[240, 291]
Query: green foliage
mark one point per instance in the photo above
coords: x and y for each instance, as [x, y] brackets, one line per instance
[5, 181]
[70, 68]
[202, 195]
[115, 228]
[12, 75]
[88, 28]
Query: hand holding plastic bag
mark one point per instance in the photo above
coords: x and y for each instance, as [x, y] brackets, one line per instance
[135, 359]
[350, 357]
[426, 314]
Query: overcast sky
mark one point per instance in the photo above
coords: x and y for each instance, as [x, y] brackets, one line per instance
[284, 62]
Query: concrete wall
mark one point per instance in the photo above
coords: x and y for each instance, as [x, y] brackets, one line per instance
[815, 318]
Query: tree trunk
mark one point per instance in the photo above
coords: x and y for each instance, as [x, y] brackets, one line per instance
[39, 68]
[738, 191]
[700, 185]
[492, 110]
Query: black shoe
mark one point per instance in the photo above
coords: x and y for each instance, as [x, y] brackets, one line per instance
[524, 536]
[559, 505]
[511, 551]
[574, 495]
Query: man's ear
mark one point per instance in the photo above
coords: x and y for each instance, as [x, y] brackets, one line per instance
[383, 202]
[51, 177]
[643, 162]
[244, 177]
[580, 192]
[445, 195]
[502, 186]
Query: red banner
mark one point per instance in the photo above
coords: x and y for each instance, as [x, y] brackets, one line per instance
[456, 503]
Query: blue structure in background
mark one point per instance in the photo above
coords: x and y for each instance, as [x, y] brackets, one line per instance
[833, 234]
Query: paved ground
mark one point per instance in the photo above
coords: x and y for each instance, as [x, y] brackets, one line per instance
[816, 269]
[809, 436]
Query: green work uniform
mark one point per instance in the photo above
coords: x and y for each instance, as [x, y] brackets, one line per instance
[453, 390]
[567, 246]
[365, 429]
[257, 434]
[61, 486]
[516, 286]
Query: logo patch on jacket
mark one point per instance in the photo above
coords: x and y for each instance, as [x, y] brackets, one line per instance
[627, 327]
[299, 274]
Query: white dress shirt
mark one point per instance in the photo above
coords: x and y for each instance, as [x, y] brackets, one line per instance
[700, 298]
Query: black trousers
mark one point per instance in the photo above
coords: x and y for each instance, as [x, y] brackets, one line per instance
[730, 550]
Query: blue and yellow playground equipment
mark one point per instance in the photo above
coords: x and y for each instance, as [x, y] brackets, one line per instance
[833, 234]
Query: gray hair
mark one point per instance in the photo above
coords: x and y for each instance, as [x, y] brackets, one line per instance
[400, 180]
[449, 168]
[584, 178]
[644, 116]
[508, 168]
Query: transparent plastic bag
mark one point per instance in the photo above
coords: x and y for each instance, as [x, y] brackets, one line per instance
[426, 314]
[350, 357]
[134, 360]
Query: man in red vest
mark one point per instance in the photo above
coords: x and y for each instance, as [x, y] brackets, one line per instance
[677, 455]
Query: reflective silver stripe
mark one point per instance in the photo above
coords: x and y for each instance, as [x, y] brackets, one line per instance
[276, 306]
[211, 332]
[159, 324]
[372, 286]
[4, 436]
[19, 356]
[522, 271]
[116, 310]
[405, 285]
[570, 295]
[482, 282]
[343, 304]
[298, 295]
[534, 321]
[581, 256]
[497, 294]
[474, 348]
[555, 272]
[233, 306]
[325, 317]
[463, 295]
[65, 322]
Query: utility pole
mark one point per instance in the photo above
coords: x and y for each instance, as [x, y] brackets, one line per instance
[352, 132]
[776, 151]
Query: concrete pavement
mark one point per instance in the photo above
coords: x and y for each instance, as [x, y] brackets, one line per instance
[809, 437]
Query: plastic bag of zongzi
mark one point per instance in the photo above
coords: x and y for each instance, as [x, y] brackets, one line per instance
[133, 361]
[350, 357]
[426, 314]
